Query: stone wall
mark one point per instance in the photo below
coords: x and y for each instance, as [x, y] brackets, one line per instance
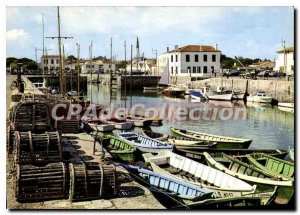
[138, 81]
[280, 90]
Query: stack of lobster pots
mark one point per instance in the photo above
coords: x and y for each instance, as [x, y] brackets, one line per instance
[41, 172]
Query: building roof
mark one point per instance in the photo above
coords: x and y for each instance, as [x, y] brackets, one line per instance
[195, 48]
[286, 50]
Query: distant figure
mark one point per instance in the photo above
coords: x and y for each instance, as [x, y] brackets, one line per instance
[227, 75]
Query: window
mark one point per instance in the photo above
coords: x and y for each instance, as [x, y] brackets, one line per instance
[52, 61]
[212, 69]
[47, 61]
[188, 69]
[171, 69]
[109, 66]
[205, 58]
[199, 69]
[213, 58]
[194, 69]
[196, 58]
[44, 61]
[187, 58]
[176, 69]
[176, 58]
[45, 68]
[205, 69]
[171, 58]
[56, 61]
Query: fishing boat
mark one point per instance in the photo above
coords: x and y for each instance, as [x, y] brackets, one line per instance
[220, 94]
[291, 153]
[197, 95]
[98, 125]
[173, 91]
[120, 149]
[143, 143]
[182, 168]
[197, 153]
[170, 185]
[119, 123]
[153, 135]
[156, 121]
[222, 141]
[254, 175]
[138, 121]
[286, 107]
[260, 97]
[275, 166]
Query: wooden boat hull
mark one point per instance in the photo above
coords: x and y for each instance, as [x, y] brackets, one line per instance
[174, 93]
[222, 141]
[197, 153]
[222, 184]
[186, 142]
[179, 188]
[145, 144]
[251, 174]
[272, 165]
[220, 97]
[291, 153]
[258, 99]
[102, 128]
[153, 135]
[120, 149]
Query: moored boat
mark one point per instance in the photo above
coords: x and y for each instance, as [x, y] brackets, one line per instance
[277, 167]
[185, 142]
[197, 153]
[254, 175]
[98, 125]
[143, 143]
[177, 166]
[119, 124]
[172, 186]
[260, 97]
[286, 107]
[120, 149]
[154, 135]
[197, 95]
[138, 121]
[173, 91]
[222, 141]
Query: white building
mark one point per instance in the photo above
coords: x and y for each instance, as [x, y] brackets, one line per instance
[191, 61]
[97, 66]
[146, 66]
[285, 58]
[50, 63]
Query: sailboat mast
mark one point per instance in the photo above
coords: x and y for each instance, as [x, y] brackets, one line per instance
[61, 81]
[78, 75]
[125, 74]
[131, 76]
[43, 45]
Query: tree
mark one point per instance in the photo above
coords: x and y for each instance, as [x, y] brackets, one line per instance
[32, 65]
[227, 62]
[121, 65]
[71, 58]
[10, 60]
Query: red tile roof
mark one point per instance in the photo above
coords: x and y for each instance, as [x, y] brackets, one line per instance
[196, 48]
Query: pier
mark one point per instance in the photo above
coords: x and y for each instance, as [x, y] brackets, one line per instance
[79, 147]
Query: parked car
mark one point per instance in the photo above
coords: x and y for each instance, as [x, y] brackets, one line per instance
[277, 74]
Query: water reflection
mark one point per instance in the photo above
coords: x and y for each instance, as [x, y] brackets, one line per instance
[268, 126]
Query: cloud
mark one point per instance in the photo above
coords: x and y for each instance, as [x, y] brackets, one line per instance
[142, 21]
[16, 34]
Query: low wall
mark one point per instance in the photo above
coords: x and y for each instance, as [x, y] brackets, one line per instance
[280, 90]
[138, 81]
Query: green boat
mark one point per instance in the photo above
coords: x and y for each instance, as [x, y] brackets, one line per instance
[119, 149]
[272, 165]
[222, 141]
[264, 180]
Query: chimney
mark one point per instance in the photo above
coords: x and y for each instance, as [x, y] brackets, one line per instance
[168, 49]
[216, 46]
[176, 47]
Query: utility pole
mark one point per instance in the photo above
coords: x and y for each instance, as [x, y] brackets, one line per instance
[61, 81]
[110, 69]
[284, 55]
[78, 75]
[91, 69]
[43, 45]
[125, 74]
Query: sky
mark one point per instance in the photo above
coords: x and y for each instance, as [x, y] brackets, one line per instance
[254, 32]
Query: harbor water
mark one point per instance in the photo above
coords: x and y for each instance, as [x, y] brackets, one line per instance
[266, 125]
